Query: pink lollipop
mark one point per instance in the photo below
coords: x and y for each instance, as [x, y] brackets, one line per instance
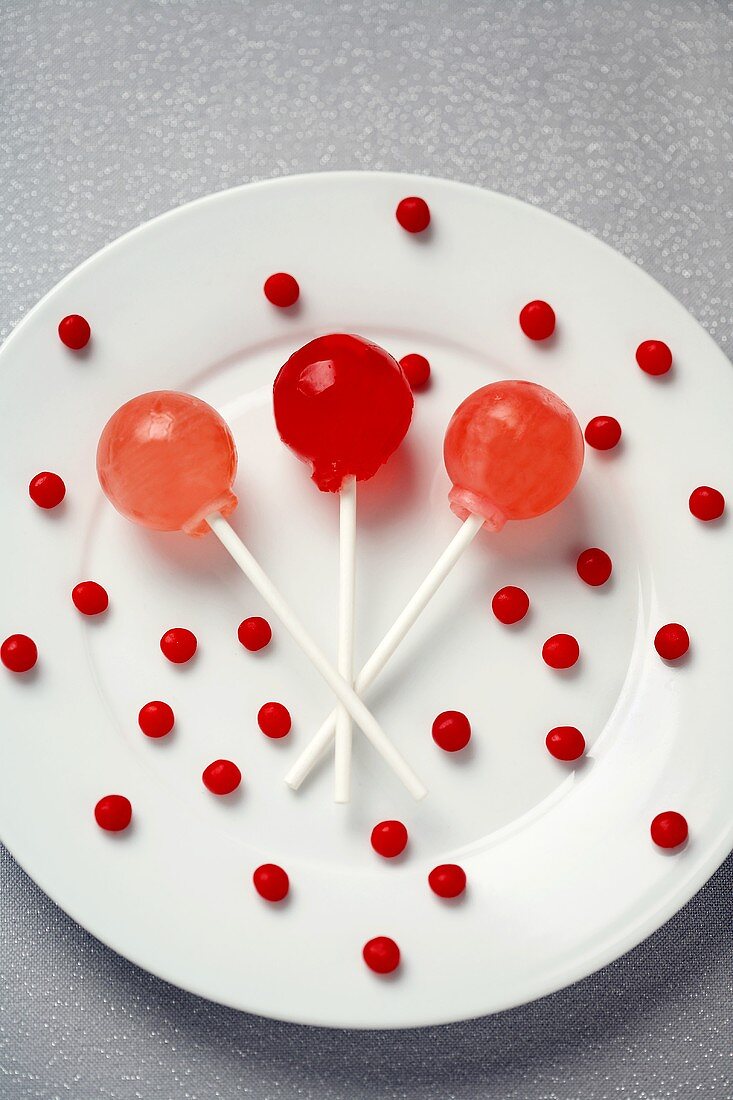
[167, 461]
[343, 405]
[513, 450]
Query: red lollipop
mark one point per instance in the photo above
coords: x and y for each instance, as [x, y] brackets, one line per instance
[343, 405]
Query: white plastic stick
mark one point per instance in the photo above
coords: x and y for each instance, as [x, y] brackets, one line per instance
[347, 573]
[389, 643]
[343, 691]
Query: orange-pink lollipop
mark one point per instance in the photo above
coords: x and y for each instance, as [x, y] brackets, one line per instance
[513, 450]
[167, 461]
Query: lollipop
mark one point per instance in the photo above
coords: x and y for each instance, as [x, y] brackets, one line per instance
[513, 451]
[343, 405]
[167, 461]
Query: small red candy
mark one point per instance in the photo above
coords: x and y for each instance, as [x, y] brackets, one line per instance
[565, 743]
[672, 641]
[382, 955]
[178, 645]
[654, 357]
[389, 838]
[413, 214]
[254, 633]
[156, 719]
[271, 882]
[417, 370]
[113, 813]
[510, 604]
[19, 653]
[90, 598]
[537, 320]
[560, 651]
[274, 720]
[602, 433]
[706, 503]
[448, 880]
[282, 290]
[669, 829]
[47, 490]
[594, 566]
[74, 332]
[222, 777]
[451, 731]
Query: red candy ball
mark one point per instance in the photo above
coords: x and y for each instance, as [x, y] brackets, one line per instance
[389, 838]
[706, 503]
[672, 641]
[565, 743]
[382, 955]
[156, 719]
[271, 882]
[254, 633]
[510, 604]
[343, 406]
[19, 653]
[282, 290]
[178, 645]
[222, 777]
[90, 598]
[560, 651]
[602, 433]
[451, 731]
[537, 320]
[47, 490]
[654, 357]
[417, 370]
[669, 829]
[413, 214]
[74, 332]
[448, 880]
[274, 720]
[594, 566]
[113, 813]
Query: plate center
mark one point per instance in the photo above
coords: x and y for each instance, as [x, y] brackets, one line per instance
[457, 657]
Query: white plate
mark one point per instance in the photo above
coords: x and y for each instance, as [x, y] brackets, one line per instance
[562, 874]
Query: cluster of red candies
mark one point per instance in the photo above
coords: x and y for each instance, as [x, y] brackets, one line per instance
[451, 730]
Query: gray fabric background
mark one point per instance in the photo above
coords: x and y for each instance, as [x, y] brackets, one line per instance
[614, 115]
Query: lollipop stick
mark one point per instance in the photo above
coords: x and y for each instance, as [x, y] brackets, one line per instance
[343, 691]
[389, 643]
[347, 568]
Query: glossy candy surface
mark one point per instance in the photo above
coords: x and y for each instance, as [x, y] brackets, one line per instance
[167, 460]
[47, 490]
[343, 405]
[513, 450]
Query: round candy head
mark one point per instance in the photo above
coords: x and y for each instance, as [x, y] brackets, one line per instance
[343, 405]
[513, 450]
[167, 460]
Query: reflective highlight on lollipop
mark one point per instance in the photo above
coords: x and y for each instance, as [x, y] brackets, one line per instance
[513, 450]
[167, 461]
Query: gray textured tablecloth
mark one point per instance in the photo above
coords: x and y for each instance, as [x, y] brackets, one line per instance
[613, 115]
